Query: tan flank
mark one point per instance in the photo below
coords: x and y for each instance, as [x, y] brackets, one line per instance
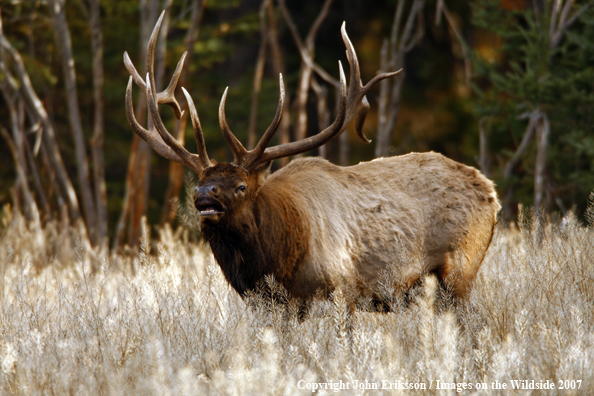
[317, 226]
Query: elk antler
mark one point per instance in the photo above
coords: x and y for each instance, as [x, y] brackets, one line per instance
[352, 105]
[158, 137]
[241, 155]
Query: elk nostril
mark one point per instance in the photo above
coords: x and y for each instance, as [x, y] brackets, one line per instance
[206, 189]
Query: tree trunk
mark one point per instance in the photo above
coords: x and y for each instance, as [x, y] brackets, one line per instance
[344, 148]
[127, 201]
[98, 127]
[258, 74]
[389, 110]
[483, 148]
[279, 67]
[323, 113]
[84, 180]
[176, 177]
[139, 193]
[542, 138]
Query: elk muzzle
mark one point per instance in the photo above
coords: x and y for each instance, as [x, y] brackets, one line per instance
[205, 200]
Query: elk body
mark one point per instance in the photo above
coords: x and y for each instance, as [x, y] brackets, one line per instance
[317, 226]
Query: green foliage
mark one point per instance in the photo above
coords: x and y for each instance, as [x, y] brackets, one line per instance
[529, 73]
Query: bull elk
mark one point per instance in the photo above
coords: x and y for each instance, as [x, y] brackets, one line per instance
[317, 226]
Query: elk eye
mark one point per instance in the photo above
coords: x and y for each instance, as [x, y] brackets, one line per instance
[240, 189]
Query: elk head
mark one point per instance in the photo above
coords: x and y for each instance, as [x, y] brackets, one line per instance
[226, 189]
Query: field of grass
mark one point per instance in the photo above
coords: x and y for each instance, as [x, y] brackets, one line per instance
[88, 322]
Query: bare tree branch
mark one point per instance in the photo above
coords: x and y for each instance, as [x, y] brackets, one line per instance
[410, 40]
[303, 48]
[514, 161]
[441, 8]
[46, 210]
[47, 138]
[15, 145]
[565, 22]
[307, 65]
[554, 14]
[402, 40]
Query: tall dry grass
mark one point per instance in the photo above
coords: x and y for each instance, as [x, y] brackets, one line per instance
[80, 321]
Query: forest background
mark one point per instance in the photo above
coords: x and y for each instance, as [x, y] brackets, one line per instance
[506, 86]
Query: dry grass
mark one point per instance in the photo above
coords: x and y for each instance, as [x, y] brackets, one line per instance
[76, 321]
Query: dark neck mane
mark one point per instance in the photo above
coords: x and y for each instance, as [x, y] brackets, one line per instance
[271, 239]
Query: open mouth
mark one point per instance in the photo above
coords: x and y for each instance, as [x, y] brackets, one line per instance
[207, 206]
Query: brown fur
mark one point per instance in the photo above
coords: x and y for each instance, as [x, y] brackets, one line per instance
[317, 226]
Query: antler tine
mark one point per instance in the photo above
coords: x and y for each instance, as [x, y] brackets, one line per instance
[310, 143]
[166, 96]
[200, 143]
[185, 157]
[265, 139]
[151, 137]
[150, 51]
[355, 70]
[352, 105]
[239, 152]
[134, 73]
[358, 106]
[158, 137]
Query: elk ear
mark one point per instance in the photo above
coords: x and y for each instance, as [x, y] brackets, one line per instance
[264, 168]
[263, 171]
